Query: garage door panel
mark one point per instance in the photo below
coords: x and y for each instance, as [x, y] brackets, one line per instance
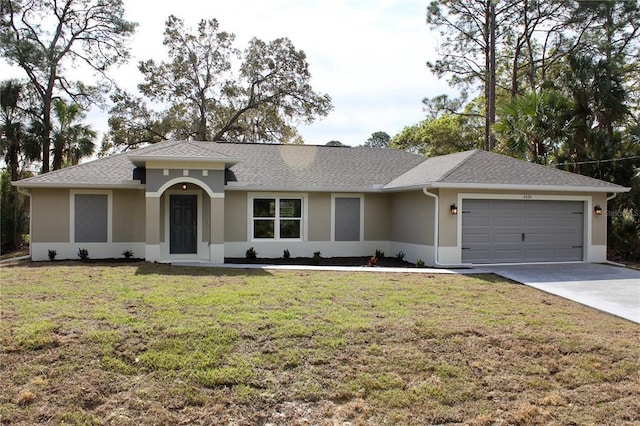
[493, 231]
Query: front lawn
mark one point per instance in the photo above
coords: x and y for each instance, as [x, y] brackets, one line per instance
[142, 343]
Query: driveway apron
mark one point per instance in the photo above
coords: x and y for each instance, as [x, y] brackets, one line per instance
[607, 288]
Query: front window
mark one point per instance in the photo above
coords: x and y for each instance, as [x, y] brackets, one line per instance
[277, 218]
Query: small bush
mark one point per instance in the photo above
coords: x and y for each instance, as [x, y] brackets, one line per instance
[379, 254]
[83, 254]
[52, 255]
[128, 254]
[286, 254]
[316, 258]
[251, 254]
[419, 263]
[372, 261]
[400, 256]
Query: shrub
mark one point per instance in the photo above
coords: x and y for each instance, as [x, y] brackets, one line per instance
[372, 261]
[128, 254]
[379, 254]
[286, 254]
[83, 254]
[316, 258]
[419, 263]
[251, 254]
[400, 256]
[52, 254]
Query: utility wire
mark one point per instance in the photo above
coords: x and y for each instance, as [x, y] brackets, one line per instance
[610, 160]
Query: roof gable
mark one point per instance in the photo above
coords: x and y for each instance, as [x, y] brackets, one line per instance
[482, 167]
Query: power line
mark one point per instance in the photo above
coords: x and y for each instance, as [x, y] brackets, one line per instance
[610, 160]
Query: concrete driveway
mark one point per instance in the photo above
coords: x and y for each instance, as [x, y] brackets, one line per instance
[608, 288]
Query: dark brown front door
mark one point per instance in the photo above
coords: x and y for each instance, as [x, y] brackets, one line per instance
[183, 224]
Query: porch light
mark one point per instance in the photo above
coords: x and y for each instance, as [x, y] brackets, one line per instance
[597, 210]
[454, 209]
[184, 186]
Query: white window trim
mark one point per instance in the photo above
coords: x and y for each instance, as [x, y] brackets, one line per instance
[72, 213]
[333, 213]
[277, 195]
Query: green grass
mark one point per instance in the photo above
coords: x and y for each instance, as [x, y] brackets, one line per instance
[154, 344]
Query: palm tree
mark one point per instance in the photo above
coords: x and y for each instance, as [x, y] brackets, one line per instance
[71, 141]
[532, 126]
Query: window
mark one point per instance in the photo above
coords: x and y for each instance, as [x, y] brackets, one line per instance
[277, 218]
[347, 221]
[91, 218]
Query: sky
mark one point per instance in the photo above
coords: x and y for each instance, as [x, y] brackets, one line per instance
[369, 56]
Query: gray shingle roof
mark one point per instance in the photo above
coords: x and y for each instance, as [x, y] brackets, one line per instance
[322, 168]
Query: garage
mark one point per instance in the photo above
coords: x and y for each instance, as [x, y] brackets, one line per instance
[522, 231]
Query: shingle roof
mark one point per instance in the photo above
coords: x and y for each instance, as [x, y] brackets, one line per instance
[323, 168]
[178, 150]
[315, 167]
[115, 170]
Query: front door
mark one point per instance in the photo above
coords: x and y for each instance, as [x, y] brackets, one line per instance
[183, 224]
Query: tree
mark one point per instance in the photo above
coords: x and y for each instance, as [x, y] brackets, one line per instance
[470, 31]
[260, 97]
[47, 38]
[14, 142]
[532, 126]
[335, 143]
[71, 140]
[378, 140]
[446, 134]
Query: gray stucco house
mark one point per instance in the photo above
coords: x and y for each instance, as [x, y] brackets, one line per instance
[204, 201]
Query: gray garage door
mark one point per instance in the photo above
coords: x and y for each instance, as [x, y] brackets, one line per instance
[511, 231]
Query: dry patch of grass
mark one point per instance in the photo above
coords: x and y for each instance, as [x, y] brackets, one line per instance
[155, 344]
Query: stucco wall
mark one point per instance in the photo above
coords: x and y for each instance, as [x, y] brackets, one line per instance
[319, 216]
[156, 178]
[235, 216]
[377, 217]
[50, 215]
[412, 218]
[128, 216]
[599, 223]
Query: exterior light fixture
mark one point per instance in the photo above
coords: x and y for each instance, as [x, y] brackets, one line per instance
[597, 210]
[184, 186]
[453, 209]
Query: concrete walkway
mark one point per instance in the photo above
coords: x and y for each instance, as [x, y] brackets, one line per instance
[608, 288]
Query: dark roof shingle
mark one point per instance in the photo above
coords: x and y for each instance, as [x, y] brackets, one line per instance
[322, 168]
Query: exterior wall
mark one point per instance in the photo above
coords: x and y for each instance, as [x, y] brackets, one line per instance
[50, 215]
[412, 218]
[319, 217]
[51, 225]
[318, 223]
[235, 213]
[450, 225]
[377, 217]
[159, 180]
[412, 226]
[129, 216]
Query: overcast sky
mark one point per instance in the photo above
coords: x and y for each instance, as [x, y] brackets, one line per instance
[369, 56]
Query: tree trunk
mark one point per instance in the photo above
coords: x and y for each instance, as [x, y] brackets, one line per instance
[46, 134]
[491, 102]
